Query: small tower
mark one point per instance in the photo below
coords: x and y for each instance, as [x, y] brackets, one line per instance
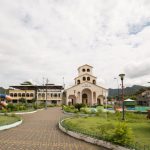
[85, 75]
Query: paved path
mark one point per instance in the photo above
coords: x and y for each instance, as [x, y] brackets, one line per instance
[39, 131]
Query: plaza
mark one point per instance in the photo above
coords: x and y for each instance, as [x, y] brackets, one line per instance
[39, 131]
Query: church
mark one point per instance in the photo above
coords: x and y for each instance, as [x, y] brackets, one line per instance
[86, 90]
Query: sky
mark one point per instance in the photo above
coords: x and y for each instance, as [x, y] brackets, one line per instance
[52, 38]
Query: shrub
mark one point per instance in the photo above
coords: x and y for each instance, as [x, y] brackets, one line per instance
[4, 110]
[105, 130]
[122, 135]
[70, 109]
[51, 105]
[79, 106]
[11, 107]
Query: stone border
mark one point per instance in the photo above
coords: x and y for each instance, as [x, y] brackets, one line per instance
[23, 113]
[90, 139]
[5, 127]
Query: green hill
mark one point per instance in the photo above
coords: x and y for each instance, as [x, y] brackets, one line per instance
[127, 91]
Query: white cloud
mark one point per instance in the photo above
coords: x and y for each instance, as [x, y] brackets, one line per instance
[52, 38]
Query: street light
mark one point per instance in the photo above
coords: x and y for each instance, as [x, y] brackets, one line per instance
[123, 112]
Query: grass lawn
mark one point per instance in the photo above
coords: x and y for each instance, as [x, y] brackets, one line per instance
[137, 122]
[5, 120]
[27, 110]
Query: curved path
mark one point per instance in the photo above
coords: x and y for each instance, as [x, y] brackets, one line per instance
[39, 131]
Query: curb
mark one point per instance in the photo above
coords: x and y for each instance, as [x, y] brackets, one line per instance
[90, 139]
[23, 113]
[5, 127]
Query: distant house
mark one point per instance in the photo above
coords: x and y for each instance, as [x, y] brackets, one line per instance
[143, 99]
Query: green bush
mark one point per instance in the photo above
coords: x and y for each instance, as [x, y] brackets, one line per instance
[70, 109]
[11, 107]
[4, 110]
[79, 106]
[16, 107]
[122, 135]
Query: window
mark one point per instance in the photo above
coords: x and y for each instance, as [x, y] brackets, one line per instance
[83, 70]
[15, 94]
[51, 95]
[88, 78]
[88, 70]
[23, 94]
[19, 94]
[55, 95]
[78, 81]
[84, 78]
[31, 94]
[43, 95]
[11, 94]
[27, 94]
[94, 82]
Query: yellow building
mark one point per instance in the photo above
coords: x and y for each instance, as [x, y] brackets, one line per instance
[50, 93]
[86, 89]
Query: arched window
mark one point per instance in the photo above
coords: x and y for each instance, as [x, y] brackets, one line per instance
[78, 81]
[31, 94]
[83, 70]
[43, 94]
[88, 70]
[11, 94]
[23, 94]
[58, 95]
[94, 82]
[88, 78]
[15, 94]
[19, 94]
[39, 94]
[27, 94]
[55, 95]
[84, 78]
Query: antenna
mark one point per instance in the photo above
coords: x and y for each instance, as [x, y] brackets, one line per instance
[63, 82]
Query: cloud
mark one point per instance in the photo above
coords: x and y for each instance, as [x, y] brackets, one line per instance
[52, 38]
[135, 70]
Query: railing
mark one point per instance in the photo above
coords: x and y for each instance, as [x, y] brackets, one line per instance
[134, 146]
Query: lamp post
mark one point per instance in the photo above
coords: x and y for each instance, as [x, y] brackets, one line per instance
[123, 112]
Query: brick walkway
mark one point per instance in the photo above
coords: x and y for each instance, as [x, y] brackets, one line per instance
[39, 131]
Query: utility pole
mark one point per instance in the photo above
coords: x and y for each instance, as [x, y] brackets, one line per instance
[46, 94]
[118, 89]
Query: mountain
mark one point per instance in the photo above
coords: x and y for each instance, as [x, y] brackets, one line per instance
[127, 91]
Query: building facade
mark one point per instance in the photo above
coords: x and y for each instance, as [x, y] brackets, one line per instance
[50, 93]
[143, 99]
[86, 90]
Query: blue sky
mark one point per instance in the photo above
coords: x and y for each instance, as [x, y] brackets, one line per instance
[52, 38]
